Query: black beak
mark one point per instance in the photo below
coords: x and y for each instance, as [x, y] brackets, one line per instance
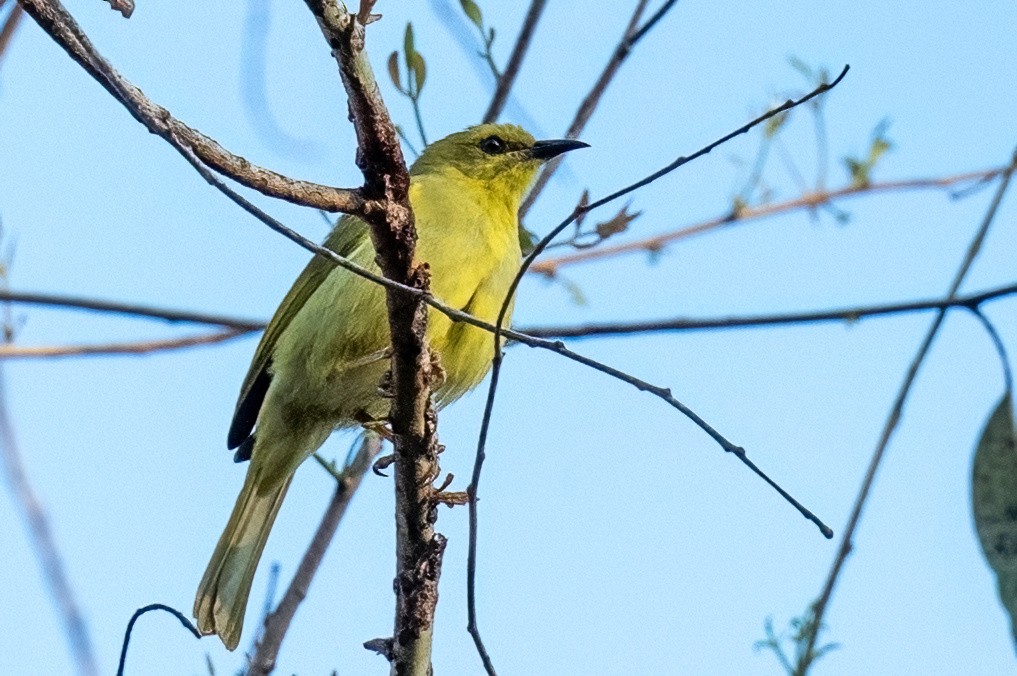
[545, 150]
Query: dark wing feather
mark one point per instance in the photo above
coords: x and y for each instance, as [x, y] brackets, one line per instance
[344, 239]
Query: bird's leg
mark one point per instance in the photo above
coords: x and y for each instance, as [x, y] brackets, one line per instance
[380, 428]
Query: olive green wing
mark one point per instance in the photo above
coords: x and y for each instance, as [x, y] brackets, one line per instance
[348, 234]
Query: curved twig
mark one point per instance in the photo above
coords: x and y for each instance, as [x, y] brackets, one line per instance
[134, 618]
[662, 393]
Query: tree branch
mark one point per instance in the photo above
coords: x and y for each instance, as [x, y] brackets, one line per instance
[277, 623]
[129, 309]
[896, 412]
[9, 27]
[807, 201]
[419, 547]
[508, 78]
[10, 351]
[60, 25]
[854, 314]
[632, 35]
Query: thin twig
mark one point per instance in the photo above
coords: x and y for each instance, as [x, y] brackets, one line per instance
[662, 393]
[277, 622]
[46, 552]
[853, 314]
[630, 37]
[60, 25]
[106, 349]
[9, 27]
[146, 609]
[896, 411]
[997, 343]
[130, 309]
[808, 201]
[508, 78]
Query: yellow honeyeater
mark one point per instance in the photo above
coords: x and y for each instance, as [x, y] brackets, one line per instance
[319, 364]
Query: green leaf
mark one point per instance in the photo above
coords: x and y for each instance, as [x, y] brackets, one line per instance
[473, 13]
[408, 47]
[527, 239]
[994, 501]
[803, 68]
[393, 71]
[574, 291]
[774, 124]
[419, 71]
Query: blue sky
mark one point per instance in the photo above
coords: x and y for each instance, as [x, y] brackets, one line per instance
[615, 536]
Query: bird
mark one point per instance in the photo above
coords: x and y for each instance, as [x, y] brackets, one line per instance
[326, 350]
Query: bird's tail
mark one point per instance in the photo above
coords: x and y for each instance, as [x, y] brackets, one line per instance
[222, 595]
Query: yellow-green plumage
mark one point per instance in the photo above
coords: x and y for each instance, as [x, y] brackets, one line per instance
[319, 364]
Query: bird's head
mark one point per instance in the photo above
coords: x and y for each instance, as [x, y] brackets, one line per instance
[502, 156]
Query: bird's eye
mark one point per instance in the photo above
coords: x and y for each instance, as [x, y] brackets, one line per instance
[492, 145]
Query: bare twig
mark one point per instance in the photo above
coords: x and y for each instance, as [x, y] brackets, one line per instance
[10, 25]
[808, 201]
[106, 349]
[277, 622]
[188, 625]
[660, 392]
[997, 344]
[508, 78]
[632, 35]
[896, 411]
[130, 309]
[46, 551]
[853, 314]
[60, 25]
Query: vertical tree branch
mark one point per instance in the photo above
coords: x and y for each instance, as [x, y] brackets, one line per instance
[508, 78]
[896, 411]
[387, 211]
[277, 623]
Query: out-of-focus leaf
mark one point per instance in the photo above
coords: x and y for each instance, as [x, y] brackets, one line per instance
[802, 67]
[774, 124]
[858, 170]
[618, 223]
[473, 13]
[574, 291]
[527, 239]
[393, 70]
[490, 37]
[419, 71]
[409, 49]
[994, 501]
[878, 149]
